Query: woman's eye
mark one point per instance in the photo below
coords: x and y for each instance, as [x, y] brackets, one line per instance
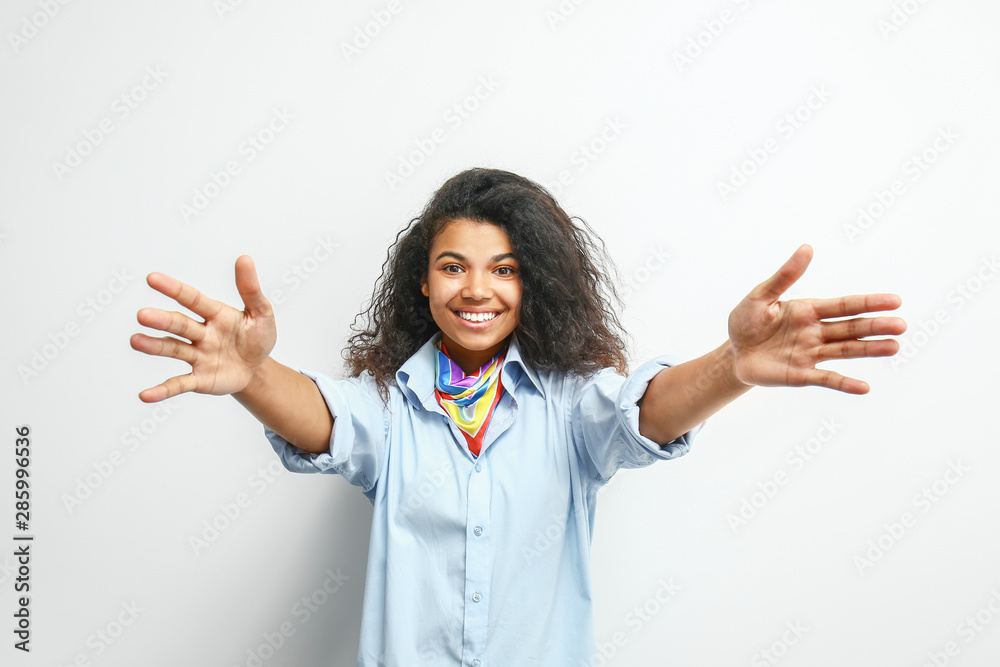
[505, 270]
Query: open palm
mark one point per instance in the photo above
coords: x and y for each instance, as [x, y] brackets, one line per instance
[779, 343]
[224, 350]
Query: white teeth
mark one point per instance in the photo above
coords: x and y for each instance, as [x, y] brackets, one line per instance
[477, 317]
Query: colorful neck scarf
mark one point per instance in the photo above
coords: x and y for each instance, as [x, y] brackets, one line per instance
[468, 399]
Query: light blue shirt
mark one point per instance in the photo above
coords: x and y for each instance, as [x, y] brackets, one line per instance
[482, 562]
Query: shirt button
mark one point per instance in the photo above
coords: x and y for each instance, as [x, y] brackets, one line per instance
[476, 663]
[479, 467]
[476, 597]
[478, 530]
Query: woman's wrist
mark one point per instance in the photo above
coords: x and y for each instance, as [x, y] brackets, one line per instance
[259, 380]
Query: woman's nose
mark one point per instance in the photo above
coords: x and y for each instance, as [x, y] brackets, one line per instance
[477, 286]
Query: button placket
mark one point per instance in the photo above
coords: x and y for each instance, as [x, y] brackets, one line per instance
[478, 565]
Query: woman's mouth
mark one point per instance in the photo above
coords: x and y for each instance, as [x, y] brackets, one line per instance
[477, 319]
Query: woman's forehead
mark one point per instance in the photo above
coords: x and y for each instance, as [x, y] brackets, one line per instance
[471, 236]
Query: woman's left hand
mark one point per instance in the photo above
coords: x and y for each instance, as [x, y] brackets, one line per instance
[778, 343]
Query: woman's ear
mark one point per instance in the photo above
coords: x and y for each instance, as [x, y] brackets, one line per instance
[423, 286]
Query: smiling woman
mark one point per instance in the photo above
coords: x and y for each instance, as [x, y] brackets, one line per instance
[493, 365]
[474, 290]
[565, 315]
[484, 232]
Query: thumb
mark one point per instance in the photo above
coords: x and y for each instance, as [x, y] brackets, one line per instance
[249, 288]
[771, 289]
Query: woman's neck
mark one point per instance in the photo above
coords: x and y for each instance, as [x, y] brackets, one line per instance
[470, 361]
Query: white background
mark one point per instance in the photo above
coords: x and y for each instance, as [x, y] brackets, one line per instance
[894, 75]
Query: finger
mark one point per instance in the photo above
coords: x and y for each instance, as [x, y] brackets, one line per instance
[856, 349]
[175, 385]
[832, 380]
[793, 268]
[163, 347]
[184, 294]
[173, 322]
[862, 327]
[249, 288]
[855, 304]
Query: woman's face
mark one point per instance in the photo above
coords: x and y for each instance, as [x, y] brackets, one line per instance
[473, 272]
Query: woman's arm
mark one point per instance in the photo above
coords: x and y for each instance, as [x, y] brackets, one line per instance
[229, 354]
[771, 343]
[289, 403]
[680, 397]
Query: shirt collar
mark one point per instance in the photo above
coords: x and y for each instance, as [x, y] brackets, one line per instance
[416, 376]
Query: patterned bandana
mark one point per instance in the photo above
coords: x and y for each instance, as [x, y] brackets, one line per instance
[468, 399]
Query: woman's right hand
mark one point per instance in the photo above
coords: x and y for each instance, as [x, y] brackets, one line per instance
[225, 351]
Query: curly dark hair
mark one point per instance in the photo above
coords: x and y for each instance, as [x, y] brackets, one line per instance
[564, 321]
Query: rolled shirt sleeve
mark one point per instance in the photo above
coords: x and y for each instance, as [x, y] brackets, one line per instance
[605, 421]
[357, 443]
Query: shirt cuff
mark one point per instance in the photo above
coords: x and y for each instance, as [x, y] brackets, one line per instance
[632, 390]
[298, 460]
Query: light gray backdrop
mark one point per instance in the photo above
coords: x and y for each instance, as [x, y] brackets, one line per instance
[703, 141]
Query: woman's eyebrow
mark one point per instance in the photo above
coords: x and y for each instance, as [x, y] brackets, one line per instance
[462, 258]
